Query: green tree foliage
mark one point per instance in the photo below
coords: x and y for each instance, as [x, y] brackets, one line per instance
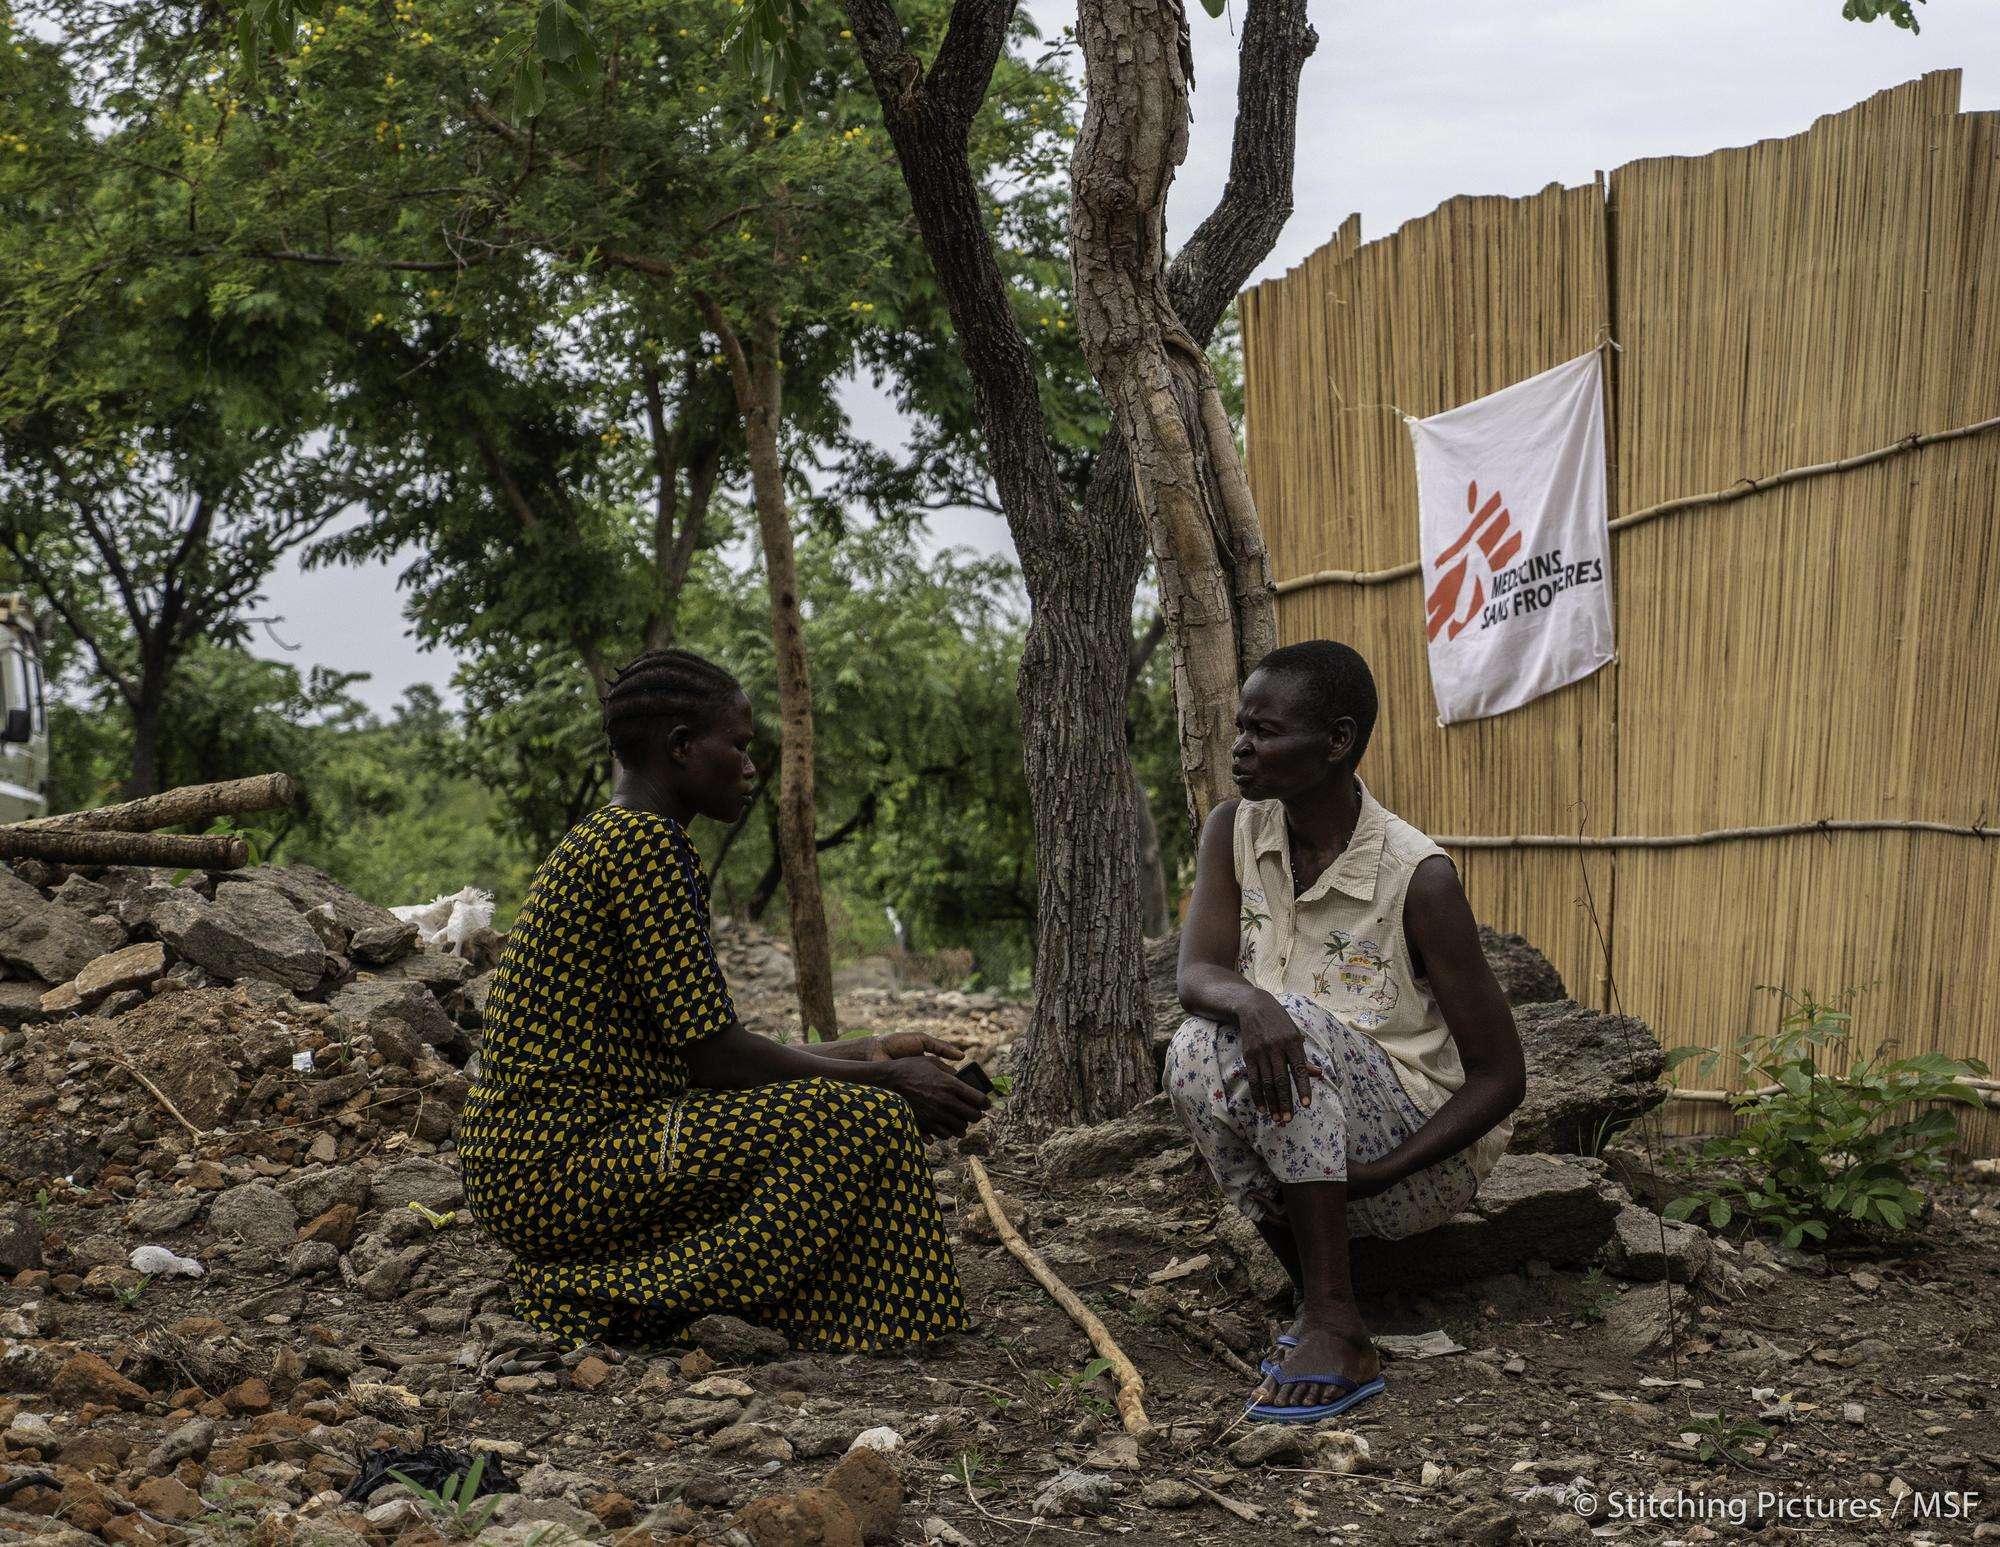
[156, 460]
[1902, 12]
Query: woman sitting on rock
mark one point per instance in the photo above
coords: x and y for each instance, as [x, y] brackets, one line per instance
[1351, 1063]
[647, 1159]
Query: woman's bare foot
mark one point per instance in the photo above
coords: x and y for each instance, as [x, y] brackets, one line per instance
[1322, 1349]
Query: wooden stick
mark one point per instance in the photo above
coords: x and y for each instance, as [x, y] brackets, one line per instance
[1131, 1385]
[158, 1095]
[189, 803]
[1989, 1092]
[1741, 489]
[1187, 1327]
[1717, 835]
[87, 847]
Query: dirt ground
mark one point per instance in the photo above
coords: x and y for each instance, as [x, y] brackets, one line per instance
[1872, 1379]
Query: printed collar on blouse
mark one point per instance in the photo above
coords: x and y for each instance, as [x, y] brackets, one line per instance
[1355, 872]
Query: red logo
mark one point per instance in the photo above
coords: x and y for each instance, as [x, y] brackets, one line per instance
[1492, 529]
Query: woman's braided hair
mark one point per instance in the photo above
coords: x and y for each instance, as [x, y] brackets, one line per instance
[662, 686]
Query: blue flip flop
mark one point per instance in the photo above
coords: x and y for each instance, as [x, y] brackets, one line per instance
[1353, 1393]
[1270, 1367]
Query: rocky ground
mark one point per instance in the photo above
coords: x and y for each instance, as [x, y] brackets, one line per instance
[260, 1077]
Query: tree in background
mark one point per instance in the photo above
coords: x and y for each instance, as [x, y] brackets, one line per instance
[665, 230]
[155, 457]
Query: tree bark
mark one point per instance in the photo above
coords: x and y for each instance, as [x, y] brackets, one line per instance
[71, 846]
[192, 803]
[1085, 1055]
[1153, 900]
[1214, 574]
[757, 375]
[144, 778]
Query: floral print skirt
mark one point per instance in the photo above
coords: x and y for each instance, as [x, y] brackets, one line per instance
[1359, 1108]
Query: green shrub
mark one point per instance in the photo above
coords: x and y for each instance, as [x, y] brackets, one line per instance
[1814, 1151]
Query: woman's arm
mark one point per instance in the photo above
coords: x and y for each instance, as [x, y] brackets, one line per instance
[1440, 929]
[737, 1059]
[1211, 936]
[1274, 1050]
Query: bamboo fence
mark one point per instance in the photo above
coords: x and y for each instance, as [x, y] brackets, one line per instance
[1809, 654]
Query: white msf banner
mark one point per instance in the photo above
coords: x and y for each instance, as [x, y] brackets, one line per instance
[1511, 501]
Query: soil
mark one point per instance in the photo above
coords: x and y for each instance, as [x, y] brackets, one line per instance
[1874, 1375]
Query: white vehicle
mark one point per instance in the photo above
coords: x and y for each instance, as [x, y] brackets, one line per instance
[24, 720]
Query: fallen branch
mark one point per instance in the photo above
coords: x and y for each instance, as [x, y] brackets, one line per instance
[72, 846]
[1131, 1385]
[1989, 1092]
[1235, 1507]
[1190, 1329]
[159, 1096]
[189, 804]
[1823, 825]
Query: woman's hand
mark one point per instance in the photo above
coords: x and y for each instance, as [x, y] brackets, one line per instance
[945, 1105]
[1367, 1178]
[894, 1044]
[1274, 1057]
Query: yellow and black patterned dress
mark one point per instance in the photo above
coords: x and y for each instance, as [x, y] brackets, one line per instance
[634, 1203]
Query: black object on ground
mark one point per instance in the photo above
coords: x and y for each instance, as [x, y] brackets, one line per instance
[431, 1467]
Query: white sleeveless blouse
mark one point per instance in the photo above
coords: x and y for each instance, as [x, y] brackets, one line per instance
[1341, 945]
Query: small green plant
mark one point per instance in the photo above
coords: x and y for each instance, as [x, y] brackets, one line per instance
[45, 1208]
[1815, 1150]
[1720, 1439]
[131, 1294]
[465, 1513]
[966, 1469]
[1003, 1085]
[1598, 1296]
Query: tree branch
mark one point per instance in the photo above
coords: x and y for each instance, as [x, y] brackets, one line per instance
[1215, 262]
[964, 65]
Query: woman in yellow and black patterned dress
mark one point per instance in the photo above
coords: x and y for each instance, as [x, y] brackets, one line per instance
[647, 1159]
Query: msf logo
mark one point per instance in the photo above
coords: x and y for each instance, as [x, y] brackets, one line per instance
[1493, 531]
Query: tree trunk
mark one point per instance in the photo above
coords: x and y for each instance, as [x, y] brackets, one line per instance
[1153, 915]
[756, 373]
[146, 728]
[1214, 575]
[1085, 1057]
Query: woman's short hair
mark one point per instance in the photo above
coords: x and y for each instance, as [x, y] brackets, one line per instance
[663, 687]
[1339, 684]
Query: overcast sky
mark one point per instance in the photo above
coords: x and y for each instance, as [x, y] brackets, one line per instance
[1402, 107]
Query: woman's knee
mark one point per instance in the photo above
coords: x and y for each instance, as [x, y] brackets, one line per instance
[1190, 1050]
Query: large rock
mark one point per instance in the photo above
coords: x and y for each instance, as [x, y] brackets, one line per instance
[248, 931]
[1113, 1148]
[50, 940]
[1589, 1074]
[135, 966]
[1525, 975]
[21, 1002]
[416, 1180]
[255, 1212]
[1530, 1208]
[369, 1000]
[20, 1240]
[378, 936]
[1645, 1246]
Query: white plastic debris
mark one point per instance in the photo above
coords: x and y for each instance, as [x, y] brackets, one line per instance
[883, 1438]
[302, 1060]
[160, 1260]
[448, 923]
